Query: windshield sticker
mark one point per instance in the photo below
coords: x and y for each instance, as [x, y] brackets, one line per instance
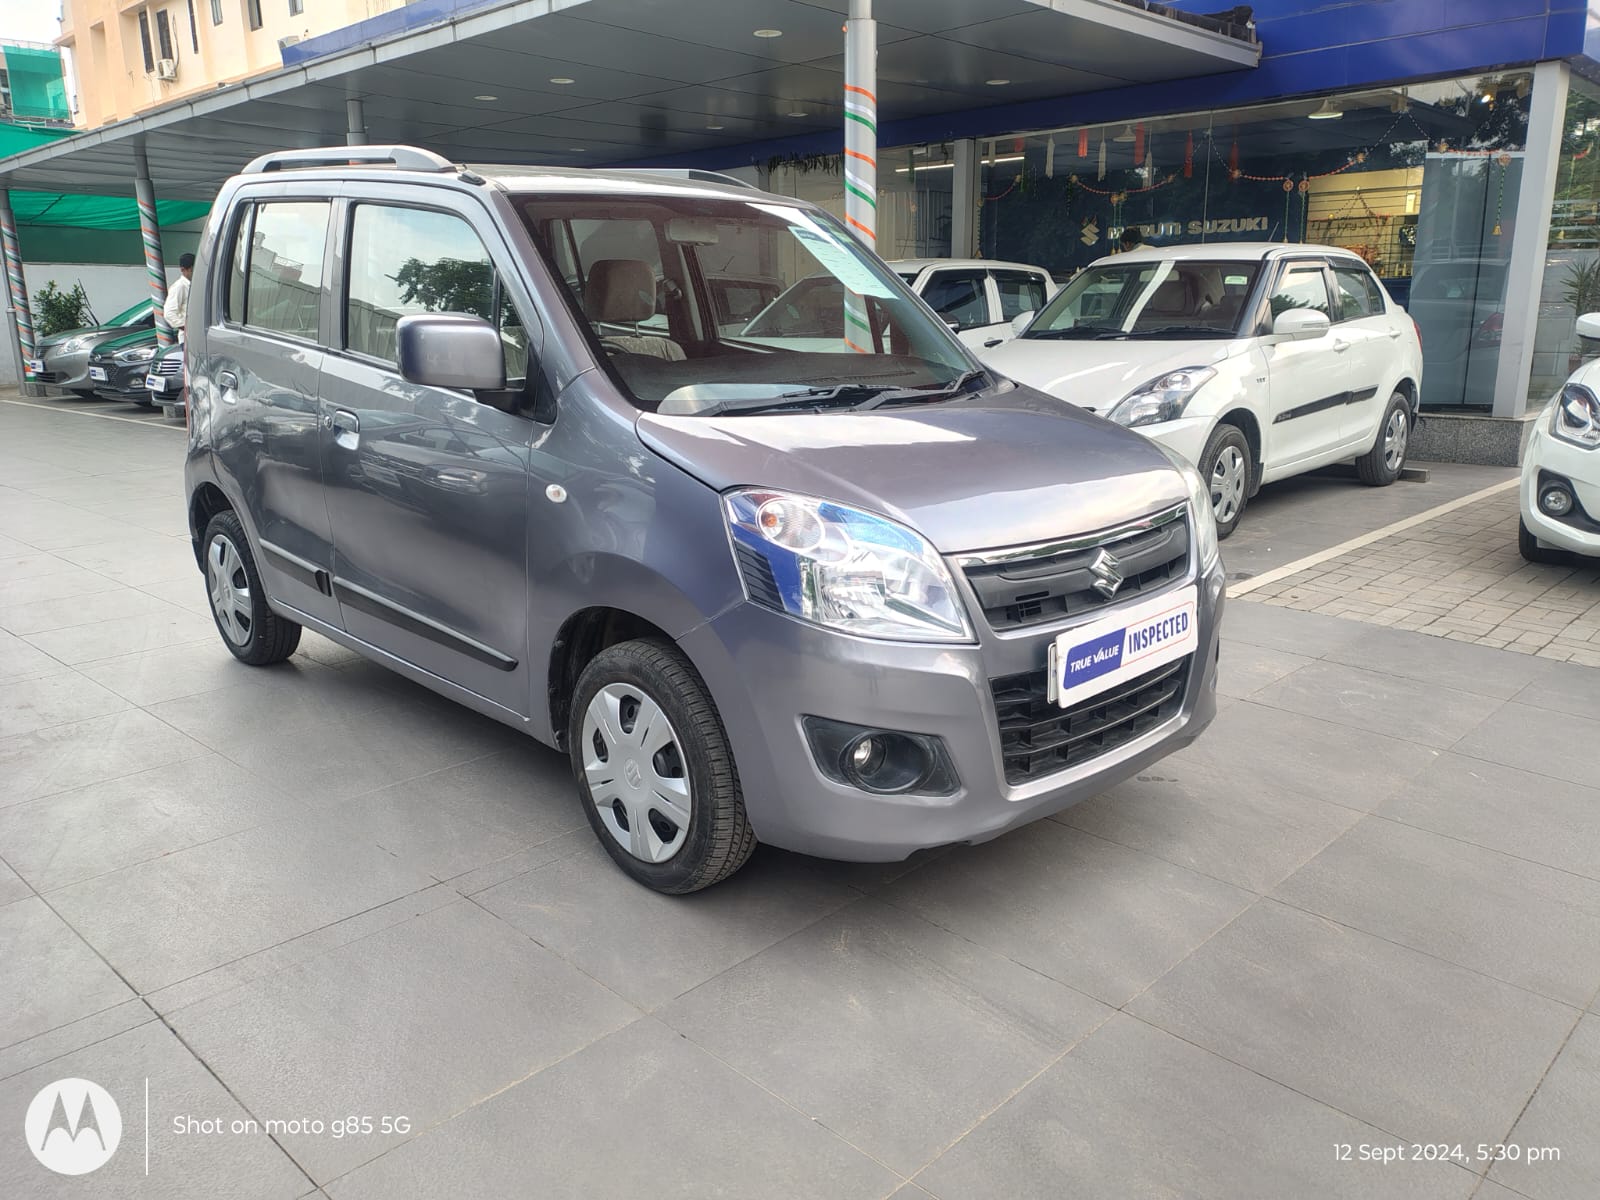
[841, 264]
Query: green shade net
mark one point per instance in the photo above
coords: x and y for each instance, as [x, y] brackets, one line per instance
[84, 212]
[37, 88]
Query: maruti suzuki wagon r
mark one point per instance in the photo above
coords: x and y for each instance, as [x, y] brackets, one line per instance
[854, 597]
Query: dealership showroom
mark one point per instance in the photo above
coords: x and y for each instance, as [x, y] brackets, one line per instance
[959, 599]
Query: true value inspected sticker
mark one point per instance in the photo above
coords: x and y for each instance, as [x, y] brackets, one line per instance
[1094, 657]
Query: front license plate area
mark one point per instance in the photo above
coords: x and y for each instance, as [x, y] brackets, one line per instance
[98, 374]
[1094, 657]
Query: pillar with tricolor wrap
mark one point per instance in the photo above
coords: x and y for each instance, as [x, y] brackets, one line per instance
[150, 234]
[860, 149]
[16, 283]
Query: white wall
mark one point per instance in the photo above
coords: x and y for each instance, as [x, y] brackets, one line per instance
[111, 289]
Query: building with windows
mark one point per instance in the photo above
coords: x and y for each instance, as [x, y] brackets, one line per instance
[129, 57]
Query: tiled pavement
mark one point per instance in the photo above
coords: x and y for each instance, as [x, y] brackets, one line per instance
[1458, 576]
[1363, 911]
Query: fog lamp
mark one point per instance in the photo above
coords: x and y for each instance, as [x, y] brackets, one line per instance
[1556, 501]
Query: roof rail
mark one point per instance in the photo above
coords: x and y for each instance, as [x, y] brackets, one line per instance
[682, 173]
[406, 158]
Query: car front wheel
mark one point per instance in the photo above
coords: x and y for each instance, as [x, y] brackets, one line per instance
[1225, 466]
[655, 770]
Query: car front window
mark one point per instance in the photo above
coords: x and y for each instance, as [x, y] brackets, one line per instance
[754, 302]
[1161, 299]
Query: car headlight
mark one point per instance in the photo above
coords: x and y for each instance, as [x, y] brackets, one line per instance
[1205, 517]
[1577, 417]
[72, 345]
[136, 354]
[842, 568]
[1162, 399]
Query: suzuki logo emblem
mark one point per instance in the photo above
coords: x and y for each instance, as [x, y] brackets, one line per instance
[1107, 572]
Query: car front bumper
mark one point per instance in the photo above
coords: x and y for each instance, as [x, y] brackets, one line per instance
[1185, 437]
[124, 381]
[767, 671]
[67, 371]
[1578, 531]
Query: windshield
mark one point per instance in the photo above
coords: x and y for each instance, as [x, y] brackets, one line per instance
[1149, 300]
[701, 304]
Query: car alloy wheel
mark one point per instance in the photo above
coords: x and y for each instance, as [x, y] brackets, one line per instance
[1228, 478]
[634, 766]
[1396, 435]
[230, 590]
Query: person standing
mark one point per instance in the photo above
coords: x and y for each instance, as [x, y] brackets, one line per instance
[176, 310]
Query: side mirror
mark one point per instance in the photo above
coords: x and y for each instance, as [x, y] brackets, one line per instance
[1021, 321]
[1301, 325]
[450, 350]
[1589, 325]
[954, 324]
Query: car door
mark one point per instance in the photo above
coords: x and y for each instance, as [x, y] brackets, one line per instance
[427, 488]
[960, 295]
[1306, 380]
[1373, 335]
[263, 355]
[1018, 292]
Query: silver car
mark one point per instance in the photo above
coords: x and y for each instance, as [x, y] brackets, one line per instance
[62, 359]
[854, 598]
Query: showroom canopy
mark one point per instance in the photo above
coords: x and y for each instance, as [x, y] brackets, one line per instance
[606, 81]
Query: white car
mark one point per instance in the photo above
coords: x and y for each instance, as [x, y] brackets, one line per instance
[1254, 361]
[977, 297]
[1561, 469]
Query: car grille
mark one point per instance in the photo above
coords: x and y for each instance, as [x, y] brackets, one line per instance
[171, 365]
[46, 376]
[1038, 738]
[1033, 585]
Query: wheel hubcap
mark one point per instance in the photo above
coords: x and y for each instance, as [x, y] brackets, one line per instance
[230, 590]
[1395, 436]
[1227, 484]
[634, 766]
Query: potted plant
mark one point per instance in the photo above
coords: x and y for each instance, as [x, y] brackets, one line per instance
[1582, 291]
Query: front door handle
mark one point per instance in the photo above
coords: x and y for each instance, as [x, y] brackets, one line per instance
[227, 379]
[1394, 335]
[346, 428]
[1340, 347]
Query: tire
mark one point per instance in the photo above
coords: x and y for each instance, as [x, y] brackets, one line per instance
[1227, 467]
[627, 689]
[252, 632]
[1533, 552]
[1381, 466]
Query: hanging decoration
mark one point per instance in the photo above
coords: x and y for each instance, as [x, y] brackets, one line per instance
[1150, 164]
[1050, 158]
[1113, 193]
[1102, 173]
[1138, 143]
[1504, 161]
[1083, 142]
[1188, 156]
[1233, 160]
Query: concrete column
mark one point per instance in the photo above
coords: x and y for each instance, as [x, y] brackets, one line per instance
[355, 123]
[966, 175]
[861, 122]
[18, 312]
[1531, 238]
[150, 233]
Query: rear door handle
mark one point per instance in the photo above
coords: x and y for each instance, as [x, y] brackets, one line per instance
[1340, 347]
[1394, 335]
[346, 428]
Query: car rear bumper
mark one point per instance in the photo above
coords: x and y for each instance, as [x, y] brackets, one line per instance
[767, 672]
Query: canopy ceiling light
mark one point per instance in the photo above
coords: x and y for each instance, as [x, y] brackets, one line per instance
[1328, 112]
[1126, 135]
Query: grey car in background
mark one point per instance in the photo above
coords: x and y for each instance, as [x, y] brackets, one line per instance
[62, 359]
[855, 596]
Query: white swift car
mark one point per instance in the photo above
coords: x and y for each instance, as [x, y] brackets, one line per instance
[1255, 361]
[1561, 469]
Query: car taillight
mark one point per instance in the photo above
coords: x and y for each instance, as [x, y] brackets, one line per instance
[1418, 328]
[1490, 329]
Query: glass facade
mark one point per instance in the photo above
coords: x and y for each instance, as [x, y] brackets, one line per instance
[1421, 181]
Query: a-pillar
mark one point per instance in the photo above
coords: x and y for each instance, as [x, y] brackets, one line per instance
[150, 232]
[17, 309]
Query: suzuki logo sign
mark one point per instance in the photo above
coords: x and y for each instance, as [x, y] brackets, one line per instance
[73, 1126]
[1107, 572]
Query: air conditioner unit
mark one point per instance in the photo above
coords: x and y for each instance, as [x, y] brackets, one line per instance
[285, 42]
[166, 68]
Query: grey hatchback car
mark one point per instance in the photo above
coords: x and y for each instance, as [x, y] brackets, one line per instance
[854, 596]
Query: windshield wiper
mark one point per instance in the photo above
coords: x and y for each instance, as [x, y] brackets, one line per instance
[1097, 332]
[811, 400]
[1182, 331]
[920, 395]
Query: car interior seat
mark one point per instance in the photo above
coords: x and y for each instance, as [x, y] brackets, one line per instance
[622, 291]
